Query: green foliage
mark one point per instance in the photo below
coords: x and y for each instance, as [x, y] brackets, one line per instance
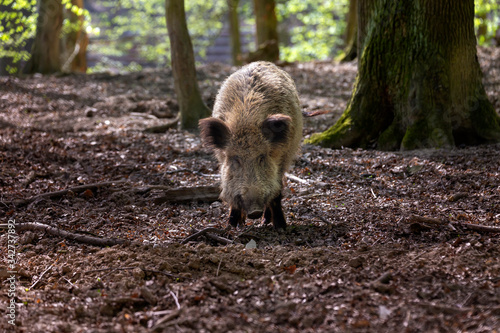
[317, 28]
[18, 19]
[309, 29]
[137, 29]
[487, 20]
[128, 27]
[205, 20]
[17, 27]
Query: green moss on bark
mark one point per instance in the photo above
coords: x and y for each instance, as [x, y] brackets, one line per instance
[419, 83]
[335, 135]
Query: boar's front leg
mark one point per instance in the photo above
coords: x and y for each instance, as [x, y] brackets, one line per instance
[274, 209]
[268, 215]
[236, 217]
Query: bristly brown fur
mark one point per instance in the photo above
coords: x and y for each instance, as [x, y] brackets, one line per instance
[256, 128]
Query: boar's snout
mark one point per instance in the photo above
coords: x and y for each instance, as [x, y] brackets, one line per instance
[255, 214]
[253, 202]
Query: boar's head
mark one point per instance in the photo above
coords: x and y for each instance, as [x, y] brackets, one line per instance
[250, 153]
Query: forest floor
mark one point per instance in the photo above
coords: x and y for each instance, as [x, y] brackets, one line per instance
[376, 241]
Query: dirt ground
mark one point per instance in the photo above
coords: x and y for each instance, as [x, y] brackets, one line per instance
[376, 241]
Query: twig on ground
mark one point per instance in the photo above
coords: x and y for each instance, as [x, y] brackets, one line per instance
[303, 181]
[109, 269]
[443, 308]
[245, 232]
[208, 232]
[188, 194]
[193, 172]
[324, 219]
[129, 268]
[164, 273]
[40, 277]
[439, 222]
[175, 298]
[295, 178]
[71, 283]
[219, 239]
[58, 194]
[91, 240]
[163, 322]
[218, 267]
[385, 278]
[29, 179]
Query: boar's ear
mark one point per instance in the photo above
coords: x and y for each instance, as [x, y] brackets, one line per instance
[276, 127]
[214, 132]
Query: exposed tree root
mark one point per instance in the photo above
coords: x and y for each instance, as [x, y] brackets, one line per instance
[91, 240]
[439, 222]
[57, 194]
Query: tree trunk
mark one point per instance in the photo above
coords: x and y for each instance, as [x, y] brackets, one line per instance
[186, 87]
[366, 8]
[351, 37]
[419, 83]
[75, 42]
[266, 25]
[45, 55]
[234, 31]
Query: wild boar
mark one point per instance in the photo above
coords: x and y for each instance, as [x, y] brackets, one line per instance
[255, 131]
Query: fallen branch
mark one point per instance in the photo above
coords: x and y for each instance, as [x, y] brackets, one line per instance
[303, 181]
[382, 283]
[324, 220]
[91, 240]
[208, 233]
[169, 172]
[385, 278]
[443, 308]
[58, 194]
[163, 128]
[295, 178]
[189, 194]
[246, 232]
[439, 222]
[110, 269]
[145, 270]
[164, 322]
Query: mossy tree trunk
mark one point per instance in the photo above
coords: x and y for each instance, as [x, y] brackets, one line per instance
[266, 24]
[45, 55]
[419, 83]
[191, 105]
[234, 31]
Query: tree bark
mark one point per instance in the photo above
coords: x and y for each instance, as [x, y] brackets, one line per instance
[351, 37]
[45, 55]
[419, 83]
[186, 87]
[234, 31]
[266, 24]
[75, 42]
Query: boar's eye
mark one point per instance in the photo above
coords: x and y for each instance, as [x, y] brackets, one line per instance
[236, 161]
[276, 127]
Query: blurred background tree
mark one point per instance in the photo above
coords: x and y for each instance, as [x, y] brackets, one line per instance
[130, 34]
